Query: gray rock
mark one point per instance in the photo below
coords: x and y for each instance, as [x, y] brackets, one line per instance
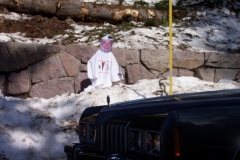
[225, 74]
[155, 73]
[137, 72]
[75, 50]
[53, 87]
[19, 82]
[222, 60]
[70, 64]
[48, 69]
[16, 56]
[47, 50]
[125, 57]
[83, 68]
[237, 77]
[185, 72]
[155, 59]
[7, 61]
[167, 74]
[207, 74]
[88, 52]
[187, 59]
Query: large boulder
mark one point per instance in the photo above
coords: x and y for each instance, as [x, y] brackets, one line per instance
[16, 56]
[19, 82]
[137, 72]
[53, 87]
[237, 76]
[155, 59]
[75, 50]
[125, 57]
[188, 59]
[206, 74]
[70, 64]
[222, 60]
[167, 74]
[225, 74]
[185, 73]
[48, 69]
[87, 52]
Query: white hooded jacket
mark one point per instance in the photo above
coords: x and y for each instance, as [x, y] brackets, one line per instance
[103, 69]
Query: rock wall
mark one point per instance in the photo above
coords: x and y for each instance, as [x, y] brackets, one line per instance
[44, 71]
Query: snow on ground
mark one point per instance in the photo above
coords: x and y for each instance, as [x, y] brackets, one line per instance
[39, 128]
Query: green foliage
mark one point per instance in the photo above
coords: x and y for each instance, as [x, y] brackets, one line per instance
[140, 4]
[151, 23]
[124, 26]
[164, 22]
[205, 3]
[162, 5]
[156, 22]
[100, 31]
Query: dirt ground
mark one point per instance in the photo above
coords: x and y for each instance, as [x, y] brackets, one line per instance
[37, 26]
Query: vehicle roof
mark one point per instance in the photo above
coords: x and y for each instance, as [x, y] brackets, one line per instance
[166, 104]
[185, 97]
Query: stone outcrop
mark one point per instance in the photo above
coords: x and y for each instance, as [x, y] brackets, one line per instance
[126, 57]
[44, 71]
[207, 74]
[19, 82]
[52, 87]
[15, 56]
[155, 59]
[225, 74]
[237, 76]
[70, 63]
[137, 72]
[223, 60]
[48, 69]
[187, 59]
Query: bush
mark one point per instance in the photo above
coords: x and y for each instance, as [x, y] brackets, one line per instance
[156, 23]
[151, 23]
[140, 4]
[162, 5]
[124, 26]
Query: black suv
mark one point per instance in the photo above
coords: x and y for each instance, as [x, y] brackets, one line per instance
[194, 126]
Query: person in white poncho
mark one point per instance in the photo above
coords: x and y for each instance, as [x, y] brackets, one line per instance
[102, 68]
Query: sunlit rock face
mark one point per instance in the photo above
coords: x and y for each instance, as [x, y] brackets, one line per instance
[48, 70]
[16, 56]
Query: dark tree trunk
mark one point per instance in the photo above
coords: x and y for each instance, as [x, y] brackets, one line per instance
[78, 10]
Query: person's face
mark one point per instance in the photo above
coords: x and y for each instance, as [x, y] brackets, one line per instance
[106, 45]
